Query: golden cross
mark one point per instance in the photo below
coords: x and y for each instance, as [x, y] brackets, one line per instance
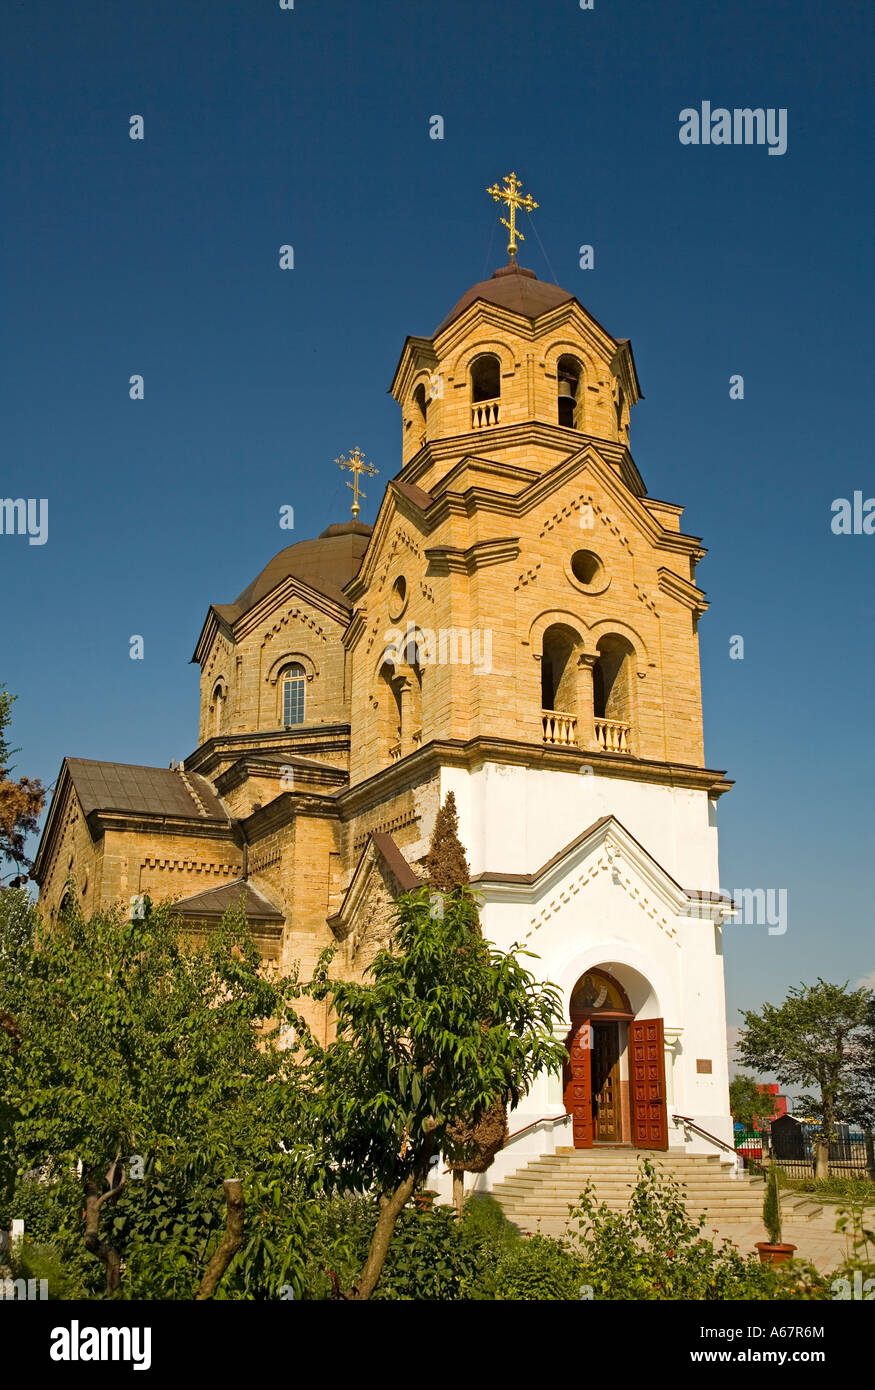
[510, 195]
[356, 465]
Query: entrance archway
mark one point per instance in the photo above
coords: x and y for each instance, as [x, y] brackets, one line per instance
[615, 1076]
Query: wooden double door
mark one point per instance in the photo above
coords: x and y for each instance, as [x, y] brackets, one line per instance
[593, 1092]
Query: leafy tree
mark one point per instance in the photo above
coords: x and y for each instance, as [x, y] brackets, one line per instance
[745, 1100]
[809, 1039]
[20, 802]
[858, 1098]
[412, 1057]
[151, 1059]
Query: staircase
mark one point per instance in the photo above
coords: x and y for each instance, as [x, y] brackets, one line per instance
[536, 1198]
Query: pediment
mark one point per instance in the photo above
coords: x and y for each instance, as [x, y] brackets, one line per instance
[367, 912]
[605, 849]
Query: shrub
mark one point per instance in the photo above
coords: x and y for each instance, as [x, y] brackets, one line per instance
[31, 1261]
[772, 1206]
[433, 1256]
[654, 1250]
[538, 1269]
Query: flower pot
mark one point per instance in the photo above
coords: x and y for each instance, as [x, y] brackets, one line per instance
[424, 1201]
[774, 1254]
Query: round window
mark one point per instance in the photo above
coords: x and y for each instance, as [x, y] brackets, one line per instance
[585, 566]
[398, 598]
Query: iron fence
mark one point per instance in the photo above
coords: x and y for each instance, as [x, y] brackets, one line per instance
[793, 1148]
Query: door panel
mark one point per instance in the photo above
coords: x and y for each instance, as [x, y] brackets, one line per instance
[606, 1081]
[578, 1091]
[647, 1084]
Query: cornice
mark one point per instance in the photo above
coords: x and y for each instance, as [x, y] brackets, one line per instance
[99, 822]
[449, 559]
[319, 738]
[63, 790]
[287, 808]
[530, 331]
[683, 591]
[532, 432]
[425, 764]
[307, 776]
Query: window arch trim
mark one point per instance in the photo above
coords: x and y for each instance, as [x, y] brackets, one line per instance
[311, 670]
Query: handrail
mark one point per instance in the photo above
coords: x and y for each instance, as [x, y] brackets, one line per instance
[691, 1124]
[569, 1115]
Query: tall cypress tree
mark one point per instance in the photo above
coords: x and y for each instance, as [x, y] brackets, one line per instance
[445, 864]
[447, 869]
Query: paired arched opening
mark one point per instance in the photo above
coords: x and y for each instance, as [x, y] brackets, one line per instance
[587, 699]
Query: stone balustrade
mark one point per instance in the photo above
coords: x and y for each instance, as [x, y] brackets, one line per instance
[610, 735]
[484, 414]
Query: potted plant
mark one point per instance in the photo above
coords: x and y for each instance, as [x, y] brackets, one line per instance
[773, 1250]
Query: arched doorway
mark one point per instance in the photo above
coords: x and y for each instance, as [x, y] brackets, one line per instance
[615, 1077]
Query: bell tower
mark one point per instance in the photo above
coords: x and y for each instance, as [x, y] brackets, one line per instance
[514, 354]
[535, 527]
[526, 636]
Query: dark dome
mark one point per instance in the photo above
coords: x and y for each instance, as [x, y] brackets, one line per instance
[513, 288]
[326, 564]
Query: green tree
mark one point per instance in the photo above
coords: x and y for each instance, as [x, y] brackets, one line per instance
[148, 1061]
[479, 1137]
[20, 802]
[412, 1056]
[772, 1205]
[858, 1097]
[810, 1039]
[745, 1100]
[446, 866]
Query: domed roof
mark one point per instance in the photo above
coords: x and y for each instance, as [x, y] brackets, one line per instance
[326, 564]
[514, 288]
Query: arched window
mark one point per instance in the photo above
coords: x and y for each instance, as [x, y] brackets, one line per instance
[218, 707]
[559, 684]
[485, 391]
[613, 693]
[569, 374]
[561, 646]
[485, 378]
[421, 399]
[292, 681]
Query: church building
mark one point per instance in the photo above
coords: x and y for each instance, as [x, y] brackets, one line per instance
[519, 628]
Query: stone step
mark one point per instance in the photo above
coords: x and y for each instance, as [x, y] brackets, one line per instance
[552, 1163]
[559, 1205]
[688, 1191]
[538, 1195]
[712, 1204]
[598, 1155]
[579, 1180]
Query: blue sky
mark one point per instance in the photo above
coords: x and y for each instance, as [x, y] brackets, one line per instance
[311, 127]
